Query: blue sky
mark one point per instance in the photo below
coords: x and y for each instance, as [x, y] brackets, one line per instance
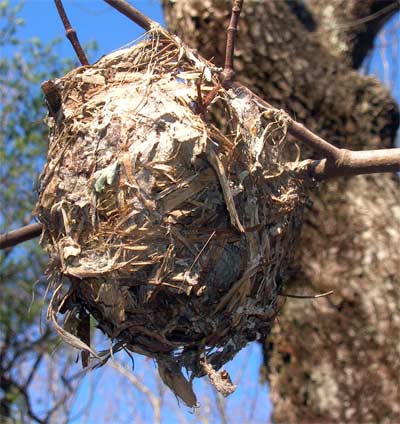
[95, 20]
[92, 19]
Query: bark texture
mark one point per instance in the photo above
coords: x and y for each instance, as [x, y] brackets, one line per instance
[334, 359]
[347, 28]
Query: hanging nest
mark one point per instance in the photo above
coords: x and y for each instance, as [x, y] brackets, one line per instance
[172, 233]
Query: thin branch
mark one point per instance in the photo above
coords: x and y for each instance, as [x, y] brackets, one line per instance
[155, 402]
[301, 133]
[34, 368]
[228, 73]
[56, 405]
[24, 393]
[27, 347]
[71, 33]
[333, 164]
[354, 163]
[20, 235]
[297, 130]
[132, 13]
[336, 162]
[387, 10]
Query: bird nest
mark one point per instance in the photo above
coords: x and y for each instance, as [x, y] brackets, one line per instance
[173, 233]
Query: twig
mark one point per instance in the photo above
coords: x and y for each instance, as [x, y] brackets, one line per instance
[199, 254]
[71, 33]
[20, 235]
[336, 162]
[297, 130]
[132, 13]
[389, 10]
[228, 73]
[34, 368]
[155, 403]
[8, 382]
[301, 133]
[354, 163]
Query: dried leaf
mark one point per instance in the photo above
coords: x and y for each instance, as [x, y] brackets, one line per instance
[172, 376]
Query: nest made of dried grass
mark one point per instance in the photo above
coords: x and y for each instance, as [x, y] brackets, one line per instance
[173, 234]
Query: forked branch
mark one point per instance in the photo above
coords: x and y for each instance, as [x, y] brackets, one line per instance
[336, 162]
[332, 164]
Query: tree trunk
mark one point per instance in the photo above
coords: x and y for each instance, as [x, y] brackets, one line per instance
[333, 359]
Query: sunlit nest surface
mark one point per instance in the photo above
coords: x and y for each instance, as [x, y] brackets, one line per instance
[173, 233]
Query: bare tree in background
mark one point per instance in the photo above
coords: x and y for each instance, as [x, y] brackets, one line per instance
[37, 376]
[333, 359]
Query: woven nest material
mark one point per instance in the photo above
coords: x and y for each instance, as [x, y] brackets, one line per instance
[173, 234]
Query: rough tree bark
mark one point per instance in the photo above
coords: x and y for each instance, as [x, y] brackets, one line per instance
[334, 359]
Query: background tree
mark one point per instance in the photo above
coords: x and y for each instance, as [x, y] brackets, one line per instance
[29, 348]
[335, 359]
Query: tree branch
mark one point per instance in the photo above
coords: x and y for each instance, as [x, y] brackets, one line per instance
[354, 163]
[20, 235]
[132, 13]
[71, 33]
[34, 369]
[297, 130]
[155, 402]
[8, 382]
[228, 73]
[337, 162]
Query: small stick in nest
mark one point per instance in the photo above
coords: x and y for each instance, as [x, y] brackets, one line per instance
[301, 296]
